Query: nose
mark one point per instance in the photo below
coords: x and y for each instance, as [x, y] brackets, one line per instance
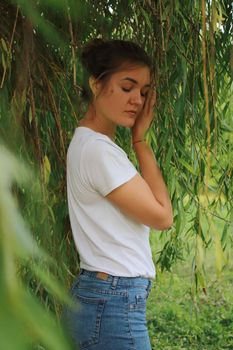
[136, 99]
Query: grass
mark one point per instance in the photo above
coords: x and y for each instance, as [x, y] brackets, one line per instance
[179, 318]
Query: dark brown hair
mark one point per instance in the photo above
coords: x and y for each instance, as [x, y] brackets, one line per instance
[102, 58]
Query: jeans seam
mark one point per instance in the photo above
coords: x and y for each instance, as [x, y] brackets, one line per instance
[128, 319]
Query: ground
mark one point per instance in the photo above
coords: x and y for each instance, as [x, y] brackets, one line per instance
[179, 318]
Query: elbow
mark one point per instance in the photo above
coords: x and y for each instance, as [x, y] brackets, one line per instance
[168, 219]
[168, 223]
[165, 223]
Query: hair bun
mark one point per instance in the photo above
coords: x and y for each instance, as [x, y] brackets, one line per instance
[96, 42]
[89, 52]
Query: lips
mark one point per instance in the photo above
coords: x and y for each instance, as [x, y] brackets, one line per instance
[132, 112]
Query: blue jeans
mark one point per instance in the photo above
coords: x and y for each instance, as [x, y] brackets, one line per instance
[110, 314]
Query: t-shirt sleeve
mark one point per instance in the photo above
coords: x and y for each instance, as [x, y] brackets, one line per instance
[105, 166]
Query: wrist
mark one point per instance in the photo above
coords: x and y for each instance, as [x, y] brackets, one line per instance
[138, 141]
[138, 138]
[139, 144]
[137, 135]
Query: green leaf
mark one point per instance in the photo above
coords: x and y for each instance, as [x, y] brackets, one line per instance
[188, 167]
[219, 254]
[4, 61]
[4, 45]
[53, 286]
[30, 115]
[168, 157]
[46, 169]
[145, 15]
[200, 253]
[41, 323]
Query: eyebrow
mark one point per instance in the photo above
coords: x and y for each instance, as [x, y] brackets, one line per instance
[134, 81]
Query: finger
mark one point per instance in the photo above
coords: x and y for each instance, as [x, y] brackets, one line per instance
[153, 99]
[150, 101]
[147, 101]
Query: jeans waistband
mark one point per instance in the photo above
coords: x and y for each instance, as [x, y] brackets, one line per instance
[118, 280]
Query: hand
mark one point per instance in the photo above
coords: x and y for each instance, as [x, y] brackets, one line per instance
[145, 117]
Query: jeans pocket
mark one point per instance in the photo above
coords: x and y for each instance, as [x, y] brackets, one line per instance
[84, 322]
[137, 299]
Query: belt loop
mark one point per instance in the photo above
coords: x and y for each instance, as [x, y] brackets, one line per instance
[114, 282]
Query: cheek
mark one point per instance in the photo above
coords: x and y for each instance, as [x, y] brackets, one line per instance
[114, 97]
[110, 94]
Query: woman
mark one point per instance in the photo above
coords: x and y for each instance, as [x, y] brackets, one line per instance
[112, 206]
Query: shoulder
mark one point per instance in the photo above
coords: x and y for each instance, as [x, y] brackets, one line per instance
[102, 146]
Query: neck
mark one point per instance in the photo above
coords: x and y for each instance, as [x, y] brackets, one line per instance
[97, 123]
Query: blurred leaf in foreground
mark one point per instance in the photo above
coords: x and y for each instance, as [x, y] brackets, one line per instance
[23, 320]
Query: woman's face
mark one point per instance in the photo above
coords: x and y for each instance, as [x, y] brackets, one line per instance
[123, 97]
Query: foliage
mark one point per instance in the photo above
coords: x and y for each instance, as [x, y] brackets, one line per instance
[20, 310]
[179, 319]
[40, 80]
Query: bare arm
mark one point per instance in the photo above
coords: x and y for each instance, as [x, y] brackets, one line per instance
[145, 198]
[153, 177]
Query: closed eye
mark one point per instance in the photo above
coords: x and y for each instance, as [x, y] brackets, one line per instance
[129, 89]
[126, 90]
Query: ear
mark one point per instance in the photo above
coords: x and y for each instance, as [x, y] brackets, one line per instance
[94, 85]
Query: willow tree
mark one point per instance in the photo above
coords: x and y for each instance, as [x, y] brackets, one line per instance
[41, 77]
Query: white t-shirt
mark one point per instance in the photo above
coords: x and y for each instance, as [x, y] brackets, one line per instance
[107, 240]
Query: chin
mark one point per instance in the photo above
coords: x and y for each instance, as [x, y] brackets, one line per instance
[128, 124]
